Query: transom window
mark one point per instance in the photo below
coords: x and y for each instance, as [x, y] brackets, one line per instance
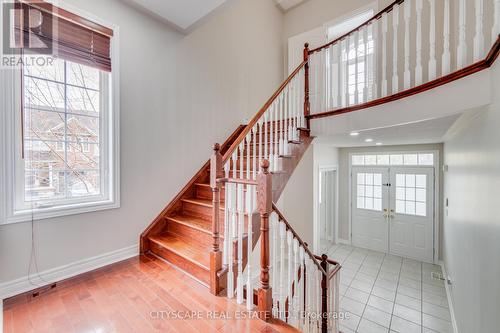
[413, 159]
[411, 194]
[369, 191]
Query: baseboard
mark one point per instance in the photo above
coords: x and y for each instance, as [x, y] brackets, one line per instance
[448, 295]
[22, 285]
[343, 241]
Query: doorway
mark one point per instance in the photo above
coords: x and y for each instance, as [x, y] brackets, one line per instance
[327, 207]
[393, 210]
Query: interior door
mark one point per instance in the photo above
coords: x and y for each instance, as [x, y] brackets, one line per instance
[370, 196]
[327, 206]
[412, 213]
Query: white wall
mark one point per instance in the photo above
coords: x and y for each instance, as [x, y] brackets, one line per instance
[179, 94]
[300, 194]
[472, 223]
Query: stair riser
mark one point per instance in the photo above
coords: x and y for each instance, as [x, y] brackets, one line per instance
[184, 231]
[198, 272]
[205, 192]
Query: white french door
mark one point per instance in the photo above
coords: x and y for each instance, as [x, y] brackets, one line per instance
[393, 210]
[370, 194]
[412, 213]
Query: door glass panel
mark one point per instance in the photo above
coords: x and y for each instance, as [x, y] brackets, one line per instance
[411, 194]
[369, 191]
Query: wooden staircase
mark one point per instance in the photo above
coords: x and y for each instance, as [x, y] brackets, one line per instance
[182, 232]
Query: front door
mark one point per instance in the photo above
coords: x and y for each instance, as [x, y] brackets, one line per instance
[370, 195]
[412, 213]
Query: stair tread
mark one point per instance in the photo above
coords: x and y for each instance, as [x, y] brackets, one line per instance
[185, 248]
[192, 221]
[202, 202]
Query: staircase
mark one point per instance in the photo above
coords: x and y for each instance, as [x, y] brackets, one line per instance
[211, 229]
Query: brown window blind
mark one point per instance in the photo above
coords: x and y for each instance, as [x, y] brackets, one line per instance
[70, 36]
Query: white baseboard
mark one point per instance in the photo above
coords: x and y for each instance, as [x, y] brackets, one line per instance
[343, 241]
[22, 285]
[448, 295]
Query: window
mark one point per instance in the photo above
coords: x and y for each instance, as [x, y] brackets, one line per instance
[357, 58]
[369, 191]
[63, 108]
[62, 123]
[424, 159]
[411, 194]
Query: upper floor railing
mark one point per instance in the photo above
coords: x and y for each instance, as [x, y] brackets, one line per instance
[408, 47]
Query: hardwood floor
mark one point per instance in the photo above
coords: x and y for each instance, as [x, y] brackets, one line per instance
[130, 296]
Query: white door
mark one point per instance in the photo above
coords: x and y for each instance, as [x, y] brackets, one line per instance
[412, 213]
[370, 193]
[327, 207]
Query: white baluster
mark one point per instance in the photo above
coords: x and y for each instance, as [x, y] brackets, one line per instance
[301, 288]
[227, 201]
[276, 135]
[446, 58]
[355, 35]
[249, 212]
[248, 140]
[255, 131]
[462, 35]
[271, 133]
[242, 159]
[296, 303]
[364, 33]
[290, 112]
[289, 238]
[479, 36]
[282, 269]
[495, 30]
[274, 262]
[337, 298]
[395, 23]
[231, 234]
[384, 54]
[344, 44]
[261, 138]
[407, 16]
[282, 124]
[418, 68]
[373, 39]
[285, 121]
[334, 68]
[266, 135]
[241, 222]
[432, 42]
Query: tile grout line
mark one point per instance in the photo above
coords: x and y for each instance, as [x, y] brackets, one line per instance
[396, 294]
[371, 290]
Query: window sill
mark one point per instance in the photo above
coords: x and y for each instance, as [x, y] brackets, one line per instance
[66, 210]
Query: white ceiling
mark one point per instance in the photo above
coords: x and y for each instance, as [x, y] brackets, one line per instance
[181, 13]
[427, 131]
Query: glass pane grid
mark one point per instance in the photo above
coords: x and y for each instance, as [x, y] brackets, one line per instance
[369, 191]
[61, 132]
[426, 159]
[411, 194]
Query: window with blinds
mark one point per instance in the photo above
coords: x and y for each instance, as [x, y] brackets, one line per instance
[68, 149]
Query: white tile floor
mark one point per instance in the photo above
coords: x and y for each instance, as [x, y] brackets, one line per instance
[385, 293]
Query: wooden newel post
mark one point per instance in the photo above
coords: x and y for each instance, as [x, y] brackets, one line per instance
[324, 295]
[216, 171]
[265, 207]
[307, 104]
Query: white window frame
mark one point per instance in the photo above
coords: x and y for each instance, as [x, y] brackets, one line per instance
[10, 150]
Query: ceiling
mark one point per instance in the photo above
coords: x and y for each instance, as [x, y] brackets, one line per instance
[183, 14]
[427, 131]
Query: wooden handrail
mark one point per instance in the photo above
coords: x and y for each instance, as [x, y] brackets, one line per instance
[259, 114]
[301, 242]
[375, 17]
[469, 70]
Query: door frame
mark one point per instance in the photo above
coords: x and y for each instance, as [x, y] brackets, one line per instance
[316, 218]
[437, 193]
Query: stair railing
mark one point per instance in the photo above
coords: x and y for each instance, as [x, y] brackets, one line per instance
[407, 48]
